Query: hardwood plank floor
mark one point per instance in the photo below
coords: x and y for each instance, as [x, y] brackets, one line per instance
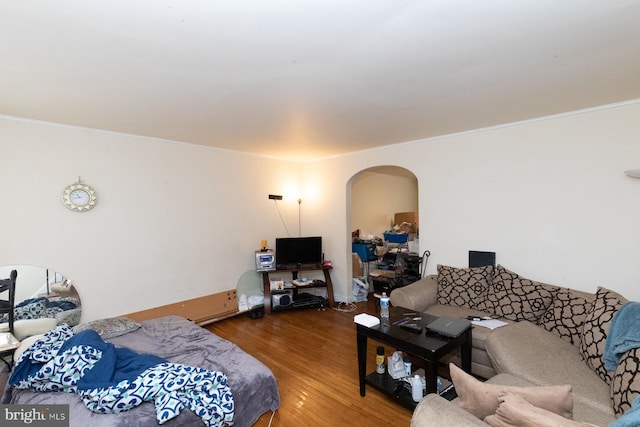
[313, 356]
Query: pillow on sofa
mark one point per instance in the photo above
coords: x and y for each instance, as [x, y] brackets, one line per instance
[463, 287]
[596, 327]
[514, 411]
[516, 298]
[481, 399]
[566, 315]
[625, 384]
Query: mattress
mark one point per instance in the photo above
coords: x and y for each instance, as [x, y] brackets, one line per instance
[178, 340]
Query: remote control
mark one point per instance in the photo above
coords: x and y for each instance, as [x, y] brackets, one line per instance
[412, 327]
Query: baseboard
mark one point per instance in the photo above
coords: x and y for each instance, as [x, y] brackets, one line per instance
[201, 310]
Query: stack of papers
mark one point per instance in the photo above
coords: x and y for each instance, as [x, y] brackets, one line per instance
[489, 323]
[366, 320]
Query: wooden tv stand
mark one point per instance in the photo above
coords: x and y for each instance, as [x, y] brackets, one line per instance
[294, 272]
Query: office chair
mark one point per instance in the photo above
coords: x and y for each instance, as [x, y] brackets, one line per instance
[7, 306]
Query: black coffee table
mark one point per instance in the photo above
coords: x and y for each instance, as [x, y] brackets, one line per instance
[427, 346]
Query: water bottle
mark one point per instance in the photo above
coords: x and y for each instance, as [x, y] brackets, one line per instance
[416, 388]
[384, 309]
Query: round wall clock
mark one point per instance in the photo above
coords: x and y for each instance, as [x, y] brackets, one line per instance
[79, 197]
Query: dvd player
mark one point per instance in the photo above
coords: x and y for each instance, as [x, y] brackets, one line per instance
[307, 300]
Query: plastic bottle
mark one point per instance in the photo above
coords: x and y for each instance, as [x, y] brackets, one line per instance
[416, 388]
[384, 309]
[407, 366]
[380, 360]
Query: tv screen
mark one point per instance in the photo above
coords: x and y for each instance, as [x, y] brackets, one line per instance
[297, 252]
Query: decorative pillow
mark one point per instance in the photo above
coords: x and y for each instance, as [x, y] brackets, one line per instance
[566, 316]
[516, 298]
[481, 399]
[109, 328]
[70, 317]
[625, 384]
[514, 411]
[596, 327]
[463, 287]
[24, 328]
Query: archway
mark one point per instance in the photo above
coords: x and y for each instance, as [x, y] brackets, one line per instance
[374, 195]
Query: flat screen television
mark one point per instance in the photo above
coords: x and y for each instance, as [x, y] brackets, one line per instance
[298, 252]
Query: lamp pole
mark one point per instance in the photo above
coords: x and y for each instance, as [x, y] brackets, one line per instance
[299, 218]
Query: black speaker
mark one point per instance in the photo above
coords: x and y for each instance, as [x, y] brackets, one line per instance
[480, 258]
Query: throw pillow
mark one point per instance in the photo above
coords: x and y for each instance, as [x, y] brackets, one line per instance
[109, 328]
[24, 328]
[596, 327]
[463, 287]
[566, 315]
[481, 399]
[625, 384]
[516, 298]
[70, 317]
[514, 411]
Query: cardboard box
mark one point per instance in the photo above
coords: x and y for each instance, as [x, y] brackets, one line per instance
[390, 274]
[408, 217]
[276, 284]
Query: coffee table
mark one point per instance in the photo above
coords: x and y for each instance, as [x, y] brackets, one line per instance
[427, 346]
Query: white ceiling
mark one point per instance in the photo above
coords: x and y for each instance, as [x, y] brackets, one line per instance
[302, 79]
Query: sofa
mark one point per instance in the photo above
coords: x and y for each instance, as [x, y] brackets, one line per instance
[553, 336]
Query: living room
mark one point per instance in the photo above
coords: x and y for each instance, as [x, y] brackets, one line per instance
[178, 221]
[544, 189]
[518, 123]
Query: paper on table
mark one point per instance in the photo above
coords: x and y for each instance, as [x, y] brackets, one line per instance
[366, 320]
[489, 323]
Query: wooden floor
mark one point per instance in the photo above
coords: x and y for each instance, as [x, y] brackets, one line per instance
[314, 359]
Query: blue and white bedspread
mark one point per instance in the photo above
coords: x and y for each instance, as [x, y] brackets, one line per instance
[110, 379]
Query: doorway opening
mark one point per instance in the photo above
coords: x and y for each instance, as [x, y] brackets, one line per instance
[374, 197]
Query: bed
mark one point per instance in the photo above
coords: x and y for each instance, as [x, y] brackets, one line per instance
[179, 341]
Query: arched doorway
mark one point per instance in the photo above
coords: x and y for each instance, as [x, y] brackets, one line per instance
[375, 195]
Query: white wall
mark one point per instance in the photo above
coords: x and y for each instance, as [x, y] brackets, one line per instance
[173, 221]
[176, 221]
[549, 196]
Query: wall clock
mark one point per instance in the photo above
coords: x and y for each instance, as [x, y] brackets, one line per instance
[79, 197]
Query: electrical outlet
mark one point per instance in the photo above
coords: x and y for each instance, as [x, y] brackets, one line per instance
[275, 197]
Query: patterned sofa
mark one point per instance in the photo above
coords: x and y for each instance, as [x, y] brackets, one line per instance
[554, 336]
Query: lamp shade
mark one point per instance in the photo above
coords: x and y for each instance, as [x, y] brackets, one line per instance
[633, 173]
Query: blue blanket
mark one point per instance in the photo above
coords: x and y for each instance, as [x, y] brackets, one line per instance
[624, 334]
[110, 379]
[631, 418]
